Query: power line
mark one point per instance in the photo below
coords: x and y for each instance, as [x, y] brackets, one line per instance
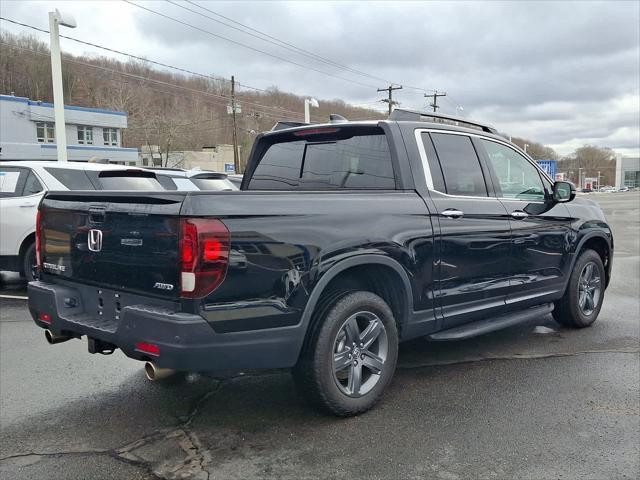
[273, 40]
[247, 46]
[136, 57]
[286, 45]
[160, 82]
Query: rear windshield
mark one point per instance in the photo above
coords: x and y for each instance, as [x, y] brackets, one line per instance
[129, 183]
[215, 184]
[72, 179]
[346, 158]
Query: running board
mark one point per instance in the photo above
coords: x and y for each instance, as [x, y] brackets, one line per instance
[481, 327]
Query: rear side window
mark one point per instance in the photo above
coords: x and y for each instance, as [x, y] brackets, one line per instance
[71, 179]
[361, 161]
[460, 165]
[32, 185]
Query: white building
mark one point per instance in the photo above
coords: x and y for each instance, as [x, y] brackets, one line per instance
[27, 132]
[218, 158]
[627, 171]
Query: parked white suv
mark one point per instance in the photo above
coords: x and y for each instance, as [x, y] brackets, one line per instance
[22, 185]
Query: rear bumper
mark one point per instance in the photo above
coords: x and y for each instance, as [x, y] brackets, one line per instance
[186, 341]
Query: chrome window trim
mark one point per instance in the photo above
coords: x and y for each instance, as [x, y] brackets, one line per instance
[427, 170]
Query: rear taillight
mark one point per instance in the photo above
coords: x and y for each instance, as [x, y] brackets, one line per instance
[38, 241]
[204, 255]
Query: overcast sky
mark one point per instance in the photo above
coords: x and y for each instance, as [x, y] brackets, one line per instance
[564, 74]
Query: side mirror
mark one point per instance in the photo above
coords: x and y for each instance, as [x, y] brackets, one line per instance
[563, 192]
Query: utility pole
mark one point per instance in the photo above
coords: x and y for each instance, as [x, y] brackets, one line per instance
[55, 19]
[389, 100]
[435, 96]
[236, 160]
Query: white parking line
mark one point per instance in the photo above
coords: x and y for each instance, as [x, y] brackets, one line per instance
[15, 297]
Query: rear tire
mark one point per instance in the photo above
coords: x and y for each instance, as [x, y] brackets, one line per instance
[351, 355]
[28, 262]
[582, 301]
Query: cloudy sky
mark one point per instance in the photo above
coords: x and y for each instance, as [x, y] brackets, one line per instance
[561, 73]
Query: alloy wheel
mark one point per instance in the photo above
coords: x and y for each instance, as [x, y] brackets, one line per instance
[359, 353]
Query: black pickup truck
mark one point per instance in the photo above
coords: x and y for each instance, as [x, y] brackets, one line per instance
[345, 239]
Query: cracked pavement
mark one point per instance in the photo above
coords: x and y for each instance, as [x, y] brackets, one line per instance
[525, 402]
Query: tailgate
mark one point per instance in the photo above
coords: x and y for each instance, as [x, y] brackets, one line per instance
[124, 241]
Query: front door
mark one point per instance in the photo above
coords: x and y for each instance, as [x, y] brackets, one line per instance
[472, 268]
[540, 227]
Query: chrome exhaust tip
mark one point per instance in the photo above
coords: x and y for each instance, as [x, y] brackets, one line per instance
[54, 338]
[155, 373]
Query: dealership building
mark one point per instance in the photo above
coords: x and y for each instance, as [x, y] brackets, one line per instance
[627, 171]
[27, 132]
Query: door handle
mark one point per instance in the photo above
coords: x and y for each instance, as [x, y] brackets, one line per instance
[519, 214]
[25, 205]
[452, 213]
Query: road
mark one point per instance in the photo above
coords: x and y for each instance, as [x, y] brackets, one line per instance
[526, 402]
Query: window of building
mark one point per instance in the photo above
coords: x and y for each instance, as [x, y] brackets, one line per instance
[110, 136]
[632, 179]
[338, 161]
[517, 177]
[85, 135]
[45, 132]
[460, 165]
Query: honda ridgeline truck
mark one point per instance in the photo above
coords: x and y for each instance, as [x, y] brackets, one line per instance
[345, 239]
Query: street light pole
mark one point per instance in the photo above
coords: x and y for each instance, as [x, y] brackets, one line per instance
[309, 102]
[525, 147]
[55, 19]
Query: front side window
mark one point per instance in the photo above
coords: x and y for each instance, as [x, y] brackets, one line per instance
[85, 135]
[110, 136]
[341, 159]
[517, 177]
[460, 165]
[45, 132]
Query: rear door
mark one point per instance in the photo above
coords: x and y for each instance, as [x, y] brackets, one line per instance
[20, 193]
[472, 266]
[540, 228]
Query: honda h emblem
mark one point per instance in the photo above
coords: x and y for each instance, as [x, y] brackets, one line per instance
[95, 240]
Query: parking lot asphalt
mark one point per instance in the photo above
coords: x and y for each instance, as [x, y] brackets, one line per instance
[525, 402]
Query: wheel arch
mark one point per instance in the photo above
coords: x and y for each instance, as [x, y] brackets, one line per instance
[398, 295]
[602, 245]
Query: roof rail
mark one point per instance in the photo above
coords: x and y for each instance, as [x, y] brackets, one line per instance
[417, 116]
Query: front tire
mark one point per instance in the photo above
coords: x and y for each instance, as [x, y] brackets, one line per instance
[581, 303]
[351, 355]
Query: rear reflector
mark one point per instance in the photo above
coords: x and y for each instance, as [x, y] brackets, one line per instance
[148, 348]
[38, 241]
[44, 317]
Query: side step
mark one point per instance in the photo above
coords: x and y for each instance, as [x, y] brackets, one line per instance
[481, 327]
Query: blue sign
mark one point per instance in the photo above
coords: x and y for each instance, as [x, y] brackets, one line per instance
[549, 166]
[229, 168]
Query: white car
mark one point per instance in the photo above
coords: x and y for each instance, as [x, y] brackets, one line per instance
[191, 180]
[22, 186]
